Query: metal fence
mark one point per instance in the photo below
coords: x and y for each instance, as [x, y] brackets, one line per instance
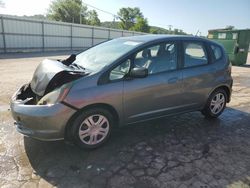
[18, 34]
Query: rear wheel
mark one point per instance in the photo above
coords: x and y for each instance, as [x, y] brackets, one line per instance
[92, 128]
[216, 104]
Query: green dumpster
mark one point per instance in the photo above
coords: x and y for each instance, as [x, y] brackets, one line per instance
[235, 42]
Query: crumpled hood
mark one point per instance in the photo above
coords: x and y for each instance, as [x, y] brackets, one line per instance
[46, 71]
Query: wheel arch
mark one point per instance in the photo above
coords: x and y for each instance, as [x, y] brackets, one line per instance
[108, 107]
[225, 88]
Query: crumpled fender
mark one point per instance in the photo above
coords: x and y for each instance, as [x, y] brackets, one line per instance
[51, 74]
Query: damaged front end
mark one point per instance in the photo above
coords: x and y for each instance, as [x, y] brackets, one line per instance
[26, 96]
[36, 107]
[50, 83]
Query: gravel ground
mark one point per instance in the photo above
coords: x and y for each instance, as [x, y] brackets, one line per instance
[180, 151]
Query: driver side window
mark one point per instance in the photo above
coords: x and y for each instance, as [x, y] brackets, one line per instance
[120, 71]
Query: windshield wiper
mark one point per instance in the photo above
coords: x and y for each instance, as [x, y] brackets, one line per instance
[77, 66]
[69, 60]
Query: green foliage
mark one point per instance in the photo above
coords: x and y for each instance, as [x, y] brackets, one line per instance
[92, 18]
[67, 11]
[141, 25]
[114, 25]
[74, 11]
[230, 27]
[152, 29]
[128, 17]
[159, 30]
[178, 32]
[36, 16]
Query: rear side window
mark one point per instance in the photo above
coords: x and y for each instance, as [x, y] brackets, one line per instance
[217, 52]
[194, 54]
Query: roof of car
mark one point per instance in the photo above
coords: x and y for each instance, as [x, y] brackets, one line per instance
[151, 37]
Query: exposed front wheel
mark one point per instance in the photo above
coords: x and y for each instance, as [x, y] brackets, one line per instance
[92, 128]
[216, 104]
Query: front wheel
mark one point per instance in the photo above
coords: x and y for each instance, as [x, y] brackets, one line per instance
[216, 104]
[92, 128]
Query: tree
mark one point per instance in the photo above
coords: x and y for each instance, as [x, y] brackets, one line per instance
[36, 16]
[176, 31]
[153, 31]
[92, 18]
[114, 25]
[141, 25]
[67, 11]
[230, 27]
[128, 17]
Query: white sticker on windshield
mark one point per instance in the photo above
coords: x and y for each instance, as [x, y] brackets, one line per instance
[131, 43]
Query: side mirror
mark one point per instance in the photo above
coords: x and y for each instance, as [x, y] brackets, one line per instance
[138, 72]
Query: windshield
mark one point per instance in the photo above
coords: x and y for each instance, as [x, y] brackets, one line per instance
[104, 54]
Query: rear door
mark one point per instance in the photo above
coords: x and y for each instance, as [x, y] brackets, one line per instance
[158, 93]
[198, 77]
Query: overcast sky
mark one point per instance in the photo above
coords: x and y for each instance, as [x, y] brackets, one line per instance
[189, 15]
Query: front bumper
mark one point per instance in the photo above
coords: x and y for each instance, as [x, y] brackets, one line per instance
[43, 122]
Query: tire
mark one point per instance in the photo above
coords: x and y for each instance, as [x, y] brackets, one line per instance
[216, 104]
[87, 132]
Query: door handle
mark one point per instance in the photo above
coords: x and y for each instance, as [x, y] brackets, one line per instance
[172, 80]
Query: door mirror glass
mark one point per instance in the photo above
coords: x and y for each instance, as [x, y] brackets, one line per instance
[138, 72]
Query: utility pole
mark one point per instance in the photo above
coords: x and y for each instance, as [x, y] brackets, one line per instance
[81, 14]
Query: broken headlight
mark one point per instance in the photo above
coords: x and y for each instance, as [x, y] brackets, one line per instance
[55, 96]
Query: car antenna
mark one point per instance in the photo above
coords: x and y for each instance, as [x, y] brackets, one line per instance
[197, 33]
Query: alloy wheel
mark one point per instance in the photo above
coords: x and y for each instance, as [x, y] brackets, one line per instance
[94, 129]
[217, 103]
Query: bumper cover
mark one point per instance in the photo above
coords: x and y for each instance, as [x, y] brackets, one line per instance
[43, 122]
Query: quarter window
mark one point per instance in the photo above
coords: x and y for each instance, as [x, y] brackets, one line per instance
[158, 58]
[120, 71]
[217, 52]
[195, 54]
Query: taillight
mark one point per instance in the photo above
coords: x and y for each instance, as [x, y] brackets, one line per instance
[230, 68]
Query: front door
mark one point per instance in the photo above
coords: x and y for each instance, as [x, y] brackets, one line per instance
[157, 94]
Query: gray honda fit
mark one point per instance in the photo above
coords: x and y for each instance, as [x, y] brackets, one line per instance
[122, 81]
